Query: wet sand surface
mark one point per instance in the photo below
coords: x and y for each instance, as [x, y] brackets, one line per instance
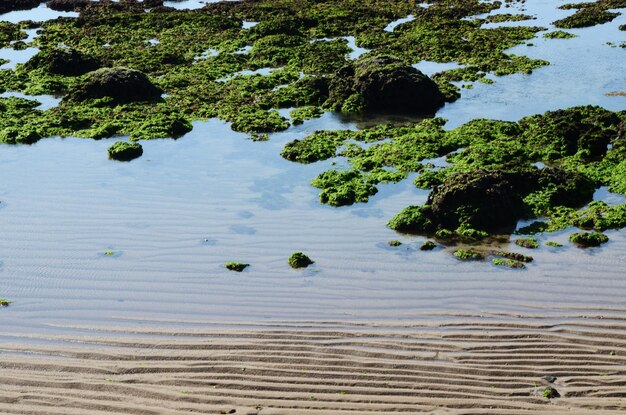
[458, 365]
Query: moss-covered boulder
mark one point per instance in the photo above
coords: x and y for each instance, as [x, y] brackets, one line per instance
[123, 151]
[236, 266]
[299, 260]
[383, 84]
[122, 85]
[67, 61]
[588, 239]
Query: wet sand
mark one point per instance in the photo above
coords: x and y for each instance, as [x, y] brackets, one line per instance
[457, 365]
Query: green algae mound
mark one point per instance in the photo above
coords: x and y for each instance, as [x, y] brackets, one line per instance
[123, 151]
[383, 83]
[299, 260]
[588, 239]
[121, 85]
[68, 62]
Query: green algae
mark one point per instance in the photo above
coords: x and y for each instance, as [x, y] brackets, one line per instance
[530, 243]
[559, 34]
[589, 14]
[554, 244]
[394, 243]
[123, 151]
[197, 57]
[514, 256]
[468, 255]
[5, 303]
[236, 266]
[428, 246]
[588, 239]
[299, 260]
[508, 263]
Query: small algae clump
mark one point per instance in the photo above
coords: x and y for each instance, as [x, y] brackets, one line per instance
[509, 263]
[411, 220]
[428, 246]
[468, 255]
[394, 243]
[514, 256]
[4, 302]
[588, 239]
[530, 243]
[343, 188]
[559, 34]
[383, 83]
[589, 14]
[549, 393]
[299, 260]
[123, 151]
[236, 266]
[554, 244]
[122, 85]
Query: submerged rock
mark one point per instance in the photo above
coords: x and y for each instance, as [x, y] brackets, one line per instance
[123, 151]
[383, 84]
[123, 85]
[64, 62]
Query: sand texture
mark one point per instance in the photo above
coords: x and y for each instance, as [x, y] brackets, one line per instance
[461, 365]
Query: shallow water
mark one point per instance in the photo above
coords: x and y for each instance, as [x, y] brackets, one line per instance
[173, 217]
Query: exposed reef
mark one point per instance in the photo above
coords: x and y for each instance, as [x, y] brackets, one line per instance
[123, 151]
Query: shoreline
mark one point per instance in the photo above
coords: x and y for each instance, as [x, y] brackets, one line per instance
[460, 365]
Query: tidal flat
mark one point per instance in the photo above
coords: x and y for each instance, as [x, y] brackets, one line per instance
[280, 147]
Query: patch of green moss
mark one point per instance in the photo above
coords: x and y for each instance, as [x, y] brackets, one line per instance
[509, 263]
[530, 243]
[554, 244]
[411, 220]
[123, 151]
[559, 34]
[588, 239]
[5, 303]
[342, 188]
[468, 255]
[514, 256]
[428, 246]
[299, 115]
[589, 14]
[299, 260]
[236, 266]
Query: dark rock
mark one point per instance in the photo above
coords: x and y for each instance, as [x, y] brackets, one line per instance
[428, 246]
[123, 151]
[121, 84]
[64, 62]
[491, 200]
[12, 5]
[383, 84]
[67, 5]
[548, 378]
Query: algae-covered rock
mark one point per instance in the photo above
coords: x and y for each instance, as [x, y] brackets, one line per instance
[411, 219]
[64, 62]
[530, 243]
[4, 302]
[514, 256]
[383, 84]
[468, 255]
[428, 246]
[394, 243]
[509, 263]
[299, 260]
[67, 5]
[123, 85]
[123, 151]
[236, 266]
[588, 239]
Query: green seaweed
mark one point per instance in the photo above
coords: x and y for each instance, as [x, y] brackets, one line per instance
[588, 239]
[236, 266]
[123, 151]
[559, 34]
[468, 255]
[514, 256]
[530, 243]
[299, 260]
[428, 246]
[509, 263]
[5, 303]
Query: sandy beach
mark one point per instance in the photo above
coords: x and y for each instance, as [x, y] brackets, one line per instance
[456, 365]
